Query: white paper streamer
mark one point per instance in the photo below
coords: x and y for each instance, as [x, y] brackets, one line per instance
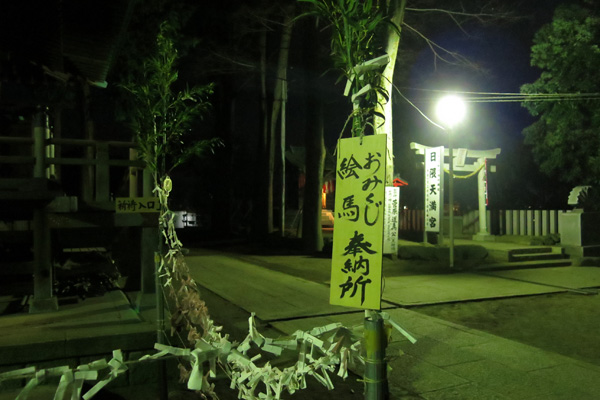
[319, 351]
[18, 373]
[65, 381]
[117, 367]
[195, 380]
[386, 317]
[38, 378]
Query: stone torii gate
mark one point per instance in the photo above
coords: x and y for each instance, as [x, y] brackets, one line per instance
[461, 163]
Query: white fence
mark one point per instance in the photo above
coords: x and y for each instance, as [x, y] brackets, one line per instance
[499, 222]
[529, 222]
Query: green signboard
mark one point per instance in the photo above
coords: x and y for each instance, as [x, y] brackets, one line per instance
[359, 216]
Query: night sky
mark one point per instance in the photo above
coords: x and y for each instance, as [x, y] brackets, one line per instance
[499, 50]
[501, 54]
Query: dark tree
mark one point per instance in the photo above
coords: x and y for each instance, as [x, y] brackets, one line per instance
[565, 138]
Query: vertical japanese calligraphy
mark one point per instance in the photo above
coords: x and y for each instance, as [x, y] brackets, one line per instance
[485, 181]
[390, 233]
[434, 184]
[359, 218]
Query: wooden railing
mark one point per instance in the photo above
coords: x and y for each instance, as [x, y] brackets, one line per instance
[412, 220]
[95, 163]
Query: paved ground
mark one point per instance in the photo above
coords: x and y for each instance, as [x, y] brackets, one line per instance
[272, 294]
[448, 361]
[73, 329]
[290, 292]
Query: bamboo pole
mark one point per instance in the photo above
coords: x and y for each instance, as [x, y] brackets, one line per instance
[376, 386]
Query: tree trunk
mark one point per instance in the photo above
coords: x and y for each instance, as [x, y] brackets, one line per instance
[282, 64]
[312, 233]
[259, 199]
[384, 126]
[224, 192]
[87, 171]
[282, 151]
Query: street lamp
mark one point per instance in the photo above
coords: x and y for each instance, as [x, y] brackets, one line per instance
[451, 110]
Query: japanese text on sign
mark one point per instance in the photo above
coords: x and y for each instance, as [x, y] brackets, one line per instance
[137, 204]
[434, 183]
[359, 218]
[390, 233]
[485, 182]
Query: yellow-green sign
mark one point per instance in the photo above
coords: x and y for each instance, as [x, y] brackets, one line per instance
[137, 204]
[359, 215]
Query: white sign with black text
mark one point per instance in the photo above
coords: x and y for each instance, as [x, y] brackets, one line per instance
[434, 186]
[391, 221]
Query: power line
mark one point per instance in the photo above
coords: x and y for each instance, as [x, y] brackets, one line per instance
[495, 97]
[529, 99]
[500, 97]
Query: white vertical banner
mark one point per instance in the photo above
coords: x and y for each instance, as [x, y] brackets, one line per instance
[390, 223]
[434, 186]
[485, 181]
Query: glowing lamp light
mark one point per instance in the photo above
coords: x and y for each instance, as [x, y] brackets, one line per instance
[451, 110]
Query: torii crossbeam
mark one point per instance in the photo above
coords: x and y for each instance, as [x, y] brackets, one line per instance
[470, 161]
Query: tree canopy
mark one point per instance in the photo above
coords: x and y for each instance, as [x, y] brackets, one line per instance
[163, 116]
[566, 137]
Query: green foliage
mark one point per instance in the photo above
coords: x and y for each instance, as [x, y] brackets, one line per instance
[566, 137]
[356, 27]
[163, 116]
